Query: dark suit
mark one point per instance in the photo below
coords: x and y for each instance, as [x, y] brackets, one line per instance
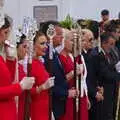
[118, 44]
[60, 90]
[115, 54]
[109, 77]
[92, 63]
[93, 81]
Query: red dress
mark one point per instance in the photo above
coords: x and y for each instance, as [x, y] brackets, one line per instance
[40, 102]
[68, 66]
[21, 101]
[83, 98]
[7, 91]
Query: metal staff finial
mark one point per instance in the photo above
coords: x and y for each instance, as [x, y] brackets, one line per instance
[51, 33]
[79, 39]
[99, 41]
[29, 28]
[77, 36]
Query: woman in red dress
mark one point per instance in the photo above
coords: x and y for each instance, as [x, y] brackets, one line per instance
[68, 64]
[40, 96]
[21, 52]
[68, 67]
[84, 101]
[8, 90]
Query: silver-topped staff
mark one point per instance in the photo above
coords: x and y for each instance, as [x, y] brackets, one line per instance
[50, 33]
[29, 29]
[77, 56]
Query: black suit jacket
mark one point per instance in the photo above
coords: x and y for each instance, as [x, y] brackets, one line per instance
[93, 78]
[107, 71]
[60, 89]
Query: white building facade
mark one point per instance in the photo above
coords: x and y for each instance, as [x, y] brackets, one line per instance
[90, 9]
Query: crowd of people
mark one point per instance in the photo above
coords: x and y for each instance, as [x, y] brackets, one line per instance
[51, 83]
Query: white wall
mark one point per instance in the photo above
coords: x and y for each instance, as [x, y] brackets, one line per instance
[11, 7]
[17, 9]
[92, 8]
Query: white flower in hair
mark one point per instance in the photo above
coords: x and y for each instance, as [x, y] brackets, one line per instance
[2, 18]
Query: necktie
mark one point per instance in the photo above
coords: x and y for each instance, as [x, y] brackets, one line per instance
[56, 55]
[108, 57]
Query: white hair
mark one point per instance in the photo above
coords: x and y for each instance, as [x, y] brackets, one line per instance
[87, 32]
[67, 34]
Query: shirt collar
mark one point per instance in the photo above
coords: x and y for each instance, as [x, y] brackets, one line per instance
[102, 50]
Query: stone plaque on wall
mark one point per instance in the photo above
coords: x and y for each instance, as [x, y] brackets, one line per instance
[45, 13]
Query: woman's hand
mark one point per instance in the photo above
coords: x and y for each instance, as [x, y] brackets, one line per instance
[88, 103]
[48, 84]
[27, 82]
